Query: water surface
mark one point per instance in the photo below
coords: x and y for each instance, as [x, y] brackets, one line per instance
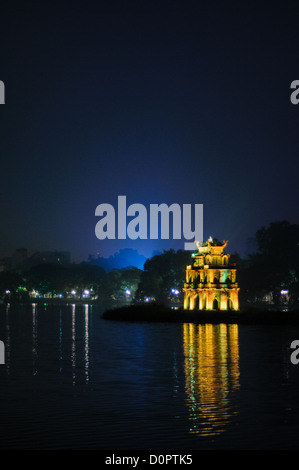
[74, 380]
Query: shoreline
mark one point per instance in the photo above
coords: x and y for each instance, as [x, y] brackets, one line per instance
[163, 314]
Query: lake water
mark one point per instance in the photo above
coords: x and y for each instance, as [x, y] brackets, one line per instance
[72, 380]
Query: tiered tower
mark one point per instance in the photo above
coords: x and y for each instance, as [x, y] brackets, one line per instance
[211, 280]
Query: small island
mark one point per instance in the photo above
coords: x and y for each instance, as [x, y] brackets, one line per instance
[164, 314]
[210, 296]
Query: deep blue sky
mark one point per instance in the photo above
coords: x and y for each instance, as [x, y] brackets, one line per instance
[161, 101]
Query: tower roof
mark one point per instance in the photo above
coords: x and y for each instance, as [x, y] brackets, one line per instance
[213, 247]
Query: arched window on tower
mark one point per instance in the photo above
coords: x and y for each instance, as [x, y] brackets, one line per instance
[207, 260]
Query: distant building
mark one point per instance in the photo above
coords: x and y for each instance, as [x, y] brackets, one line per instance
[50, 257]
[20, 261]
[5, 264]
[211, 280]
[19, 258]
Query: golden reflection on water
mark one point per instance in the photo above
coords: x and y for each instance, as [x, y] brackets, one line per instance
[212, 375]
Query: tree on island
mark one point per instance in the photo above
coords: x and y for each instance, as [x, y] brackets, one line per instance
[120, 284]
[162, 273]
[275, 266]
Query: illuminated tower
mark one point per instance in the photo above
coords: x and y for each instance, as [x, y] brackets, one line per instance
[211, 280]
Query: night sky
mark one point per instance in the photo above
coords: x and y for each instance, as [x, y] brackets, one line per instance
[161, 101]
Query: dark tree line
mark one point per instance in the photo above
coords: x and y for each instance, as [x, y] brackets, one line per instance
[272, 268]
[162, 274]
[53, 280]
